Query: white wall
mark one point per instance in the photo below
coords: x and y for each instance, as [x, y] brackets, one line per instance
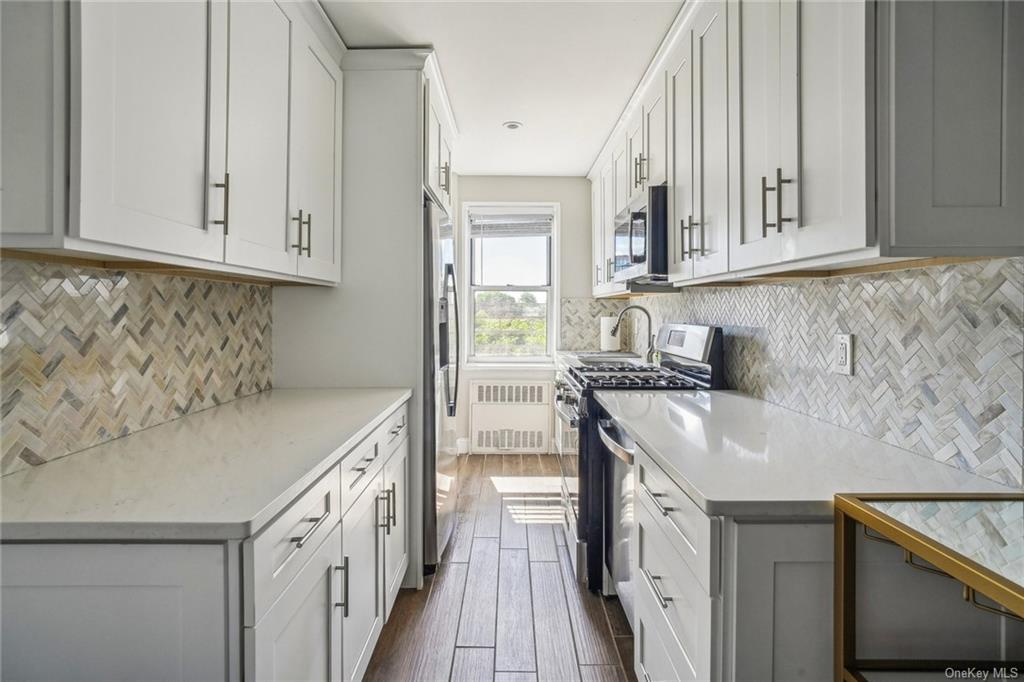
[574, 196]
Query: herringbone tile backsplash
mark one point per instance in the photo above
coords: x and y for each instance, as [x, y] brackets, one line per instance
[938, 355]
[89, 355]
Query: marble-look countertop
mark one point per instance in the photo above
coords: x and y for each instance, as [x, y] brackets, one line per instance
[739, 456]
[219, 474]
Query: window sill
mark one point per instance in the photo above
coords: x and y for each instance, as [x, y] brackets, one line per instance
[547, 365]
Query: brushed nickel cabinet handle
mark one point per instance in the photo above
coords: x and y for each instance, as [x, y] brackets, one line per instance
[657, 503]
[682, 237]
[641, 168]
[662, 599]
[317, 522]
[386, 523]
[309, 235]
[226, 186]
[764, 206]
[344, 590]
[300, 221]
[691, 226]
[393, 507]
[609, 272]
[779, 182]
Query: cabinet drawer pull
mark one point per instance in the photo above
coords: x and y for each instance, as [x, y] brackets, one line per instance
[344, 588]
[662, 599]
[396, 430]
[317, 522]
[300, 221]
[226, 186]
[654, 498]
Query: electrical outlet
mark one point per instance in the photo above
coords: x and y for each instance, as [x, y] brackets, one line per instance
[842, 354]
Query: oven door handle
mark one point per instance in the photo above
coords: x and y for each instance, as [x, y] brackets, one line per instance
[566, 416]
[617, 449]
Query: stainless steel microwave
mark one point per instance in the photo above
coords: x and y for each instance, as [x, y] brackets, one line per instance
[640, 240]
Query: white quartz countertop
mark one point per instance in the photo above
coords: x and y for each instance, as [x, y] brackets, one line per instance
[739, 456]
[219, 474]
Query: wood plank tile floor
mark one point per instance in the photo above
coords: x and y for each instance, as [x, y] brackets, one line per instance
[503, 605]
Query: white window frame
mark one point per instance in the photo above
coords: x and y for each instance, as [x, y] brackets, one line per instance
[468, 288]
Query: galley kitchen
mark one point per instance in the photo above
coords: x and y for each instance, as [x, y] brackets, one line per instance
[510, 340]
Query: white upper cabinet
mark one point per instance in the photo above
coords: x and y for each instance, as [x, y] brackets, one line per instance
[755, 43]
[437, 153]
[952, 93]
[596, 235]
[653, 166]
[635, 152]
[194, 132]
[709, 232]
[681, 159]
[623, 176]
[316, 157]
[823, 151]
[432, 169]
[257, 234]
[152, 86]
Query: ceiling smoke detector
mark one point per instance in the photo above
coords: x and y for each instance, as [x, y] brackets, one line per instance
[512, 125]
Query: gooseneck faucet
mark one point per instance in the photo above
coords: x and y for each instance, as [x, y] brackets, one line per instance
[650, 329]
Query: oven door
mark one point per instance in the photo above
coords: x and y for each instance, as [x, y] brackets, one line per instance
[567, 444]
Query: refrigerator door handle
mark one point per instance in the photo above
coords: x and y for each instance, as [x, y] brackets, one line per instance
[449, 274]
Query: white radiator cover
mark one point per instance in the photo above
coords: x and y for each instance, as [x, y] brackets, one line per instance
[509, 416]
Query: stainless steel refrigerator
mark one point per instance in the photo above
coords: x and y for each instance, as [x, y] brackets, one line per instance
[441, 382]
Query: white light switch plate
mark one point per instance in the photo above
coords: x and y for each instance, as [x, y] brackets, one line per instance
[842, 354]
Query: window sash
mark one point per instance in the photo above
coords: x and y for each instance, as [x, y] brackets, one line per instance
[549, 351]
[473, 264]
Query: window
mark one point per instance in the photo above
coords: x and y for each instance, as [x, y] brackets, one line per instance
[512, 300]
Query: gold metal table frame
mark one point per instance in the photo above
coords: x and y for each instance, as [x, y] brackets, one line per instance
[852, 510]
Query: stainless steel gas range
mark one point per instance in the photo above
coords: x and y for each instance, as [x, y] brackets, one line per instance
[691, 359]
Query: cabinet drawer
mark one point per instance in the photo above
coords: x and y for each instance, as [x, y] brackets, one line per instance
[657, 656]
[694, 534]
[394, 430]
[677, 595]
[365, 460]
[283, 547]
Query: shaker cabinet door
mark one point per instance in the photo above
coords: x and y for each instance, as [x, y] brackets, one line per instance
[259, 233]
[681, 160]
[709, 234]
[152, 78]
[316, 156]
[113, 612]
[655, 121]
[956, 137]
[754, 124]
[363, 614]
[300, 636]
[396, 535]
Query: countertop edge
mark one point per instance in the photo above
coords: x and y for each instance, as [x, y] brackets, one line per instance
[193, 531]
[799, 510]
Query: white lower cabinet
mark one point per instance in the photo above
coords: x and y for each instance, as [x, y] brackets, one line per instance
[396, 531]
[299, 637]
[363, 610]
[303, 598]
[114, 612]
[753, 600]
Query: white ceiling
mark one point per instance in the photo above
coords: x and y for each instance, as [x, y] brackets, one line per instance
[565, 69]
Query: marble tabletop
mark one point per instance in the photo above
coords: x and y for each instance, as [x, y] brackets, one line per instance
[735, 455]
[219, 474]
[988, 532]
